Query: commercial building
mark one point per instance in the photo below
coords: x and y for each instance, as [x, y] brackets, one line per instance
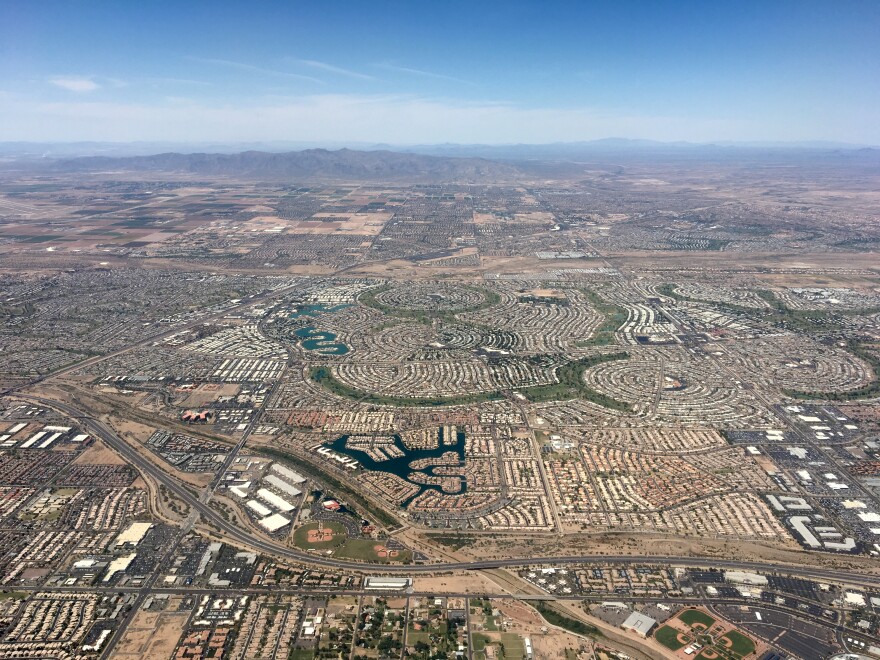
[134, 534]
[278, 502]
[387, 583]
[639, 624]
[274, 522]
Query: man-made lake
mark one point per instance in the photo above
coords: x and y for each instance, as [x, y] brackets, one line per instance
[321, 341]
[402, 466]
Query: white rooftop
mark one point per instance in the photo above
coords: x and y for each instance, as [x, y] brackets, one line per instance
[134, 534]
[274, 522]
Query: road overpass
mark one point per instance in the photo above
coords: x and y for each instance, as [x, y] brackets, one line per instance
[237, 534]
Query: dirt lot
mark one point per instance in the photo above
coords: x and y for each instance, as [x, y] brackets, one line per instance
[547, 641]
[207, 393]
[466, 583]
[99, 454]
[358, 224]
[133, 429]
[759, 260]
[153, 634]
[625, 543]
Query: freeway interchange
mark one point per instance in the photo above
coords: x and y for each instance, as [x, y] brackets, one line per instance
[237, 534]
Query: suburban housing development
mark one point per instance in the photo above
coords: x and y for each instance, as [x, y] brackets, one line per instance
[612, 413]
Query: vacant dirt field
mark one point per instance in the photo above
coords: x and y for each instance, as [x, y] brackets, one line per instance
[153, 634]
[100, 454]
[468, 583]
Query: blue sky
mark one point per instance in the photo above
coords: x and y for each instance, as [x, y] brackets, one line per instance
[420, 72]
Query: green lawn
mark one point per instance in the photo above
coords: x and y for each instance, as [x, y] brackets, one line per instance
[325, 378]
[571, 384]
[613, 316]
[479, 641]
[514, 647]
[691, 617]
[668, 636]
[741, 645]
[300, 536]
[415, 636]
[365, 549]
[342, 546]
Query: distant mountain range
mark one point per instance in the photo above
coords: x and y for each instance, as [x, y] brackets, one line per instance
[594, 150]
[421, 164]
[344, 164]
[56, 150]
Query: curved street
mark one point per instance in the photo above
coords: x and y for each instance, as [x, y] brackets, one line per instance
[240, 535]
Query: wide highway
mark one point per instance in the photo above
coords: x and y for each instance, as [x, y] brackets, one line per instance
[236, 533]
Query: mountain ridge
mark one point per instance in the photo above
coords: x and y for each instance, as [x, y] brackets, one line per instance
[310, 163]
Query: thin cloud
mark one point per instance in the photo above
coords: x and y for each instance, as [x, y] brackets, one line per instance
[340, 118]
[241, 66]
[423, 74]
[75, 83]
[330, 68]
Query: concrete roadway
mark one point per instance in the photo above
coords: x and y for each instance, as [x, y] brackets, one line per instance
[237, 534]
[593, 599]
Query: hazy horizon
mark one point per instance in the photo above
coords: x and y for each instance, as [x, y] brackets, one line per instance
[404, 74]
